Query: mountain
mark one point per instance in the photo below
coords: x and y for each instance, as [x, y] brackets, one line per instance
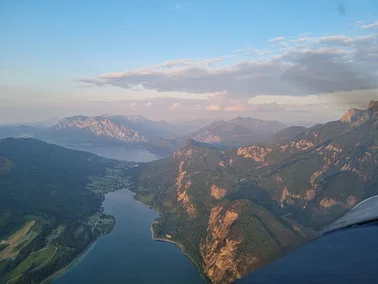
[241, 131]
[233, 211]
[283, 136]
[110, 130]
[50, 205]
[357, 117]
[258, 125]
[49, 122]
[190, 126]
[131, 131]
[18, 131]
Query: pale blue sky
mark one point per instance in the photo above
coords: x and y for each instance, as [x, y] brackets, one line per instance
[46, 46]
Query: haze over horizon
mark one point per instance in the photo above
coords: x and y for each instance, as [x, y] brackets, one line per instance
[187, 60]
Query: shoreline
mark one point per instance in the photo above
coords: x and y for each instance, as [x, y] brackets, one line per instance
[64, 269]
[204, 277]
[69, 265]
[61, 271]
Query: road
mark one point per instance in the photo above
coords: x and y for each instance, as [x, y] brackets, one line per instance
[34, 269]
[38, 267]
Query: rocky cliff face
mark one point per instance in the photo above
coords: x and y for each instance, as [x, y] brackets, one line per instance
[219, 248]
[229, 251]
[256, 153]
[113, 130]
[235, 210]
[356, 117]
[102, 126]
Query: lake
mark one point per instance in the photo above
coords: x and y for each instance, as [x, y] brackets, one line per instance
[129, 254]
[119, 152]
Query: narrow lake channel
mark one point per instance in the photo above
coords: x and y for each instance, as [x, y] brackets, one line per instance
[129, 254]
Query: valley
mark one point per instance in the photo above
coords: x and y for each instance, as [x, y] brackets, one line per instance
[229, 210]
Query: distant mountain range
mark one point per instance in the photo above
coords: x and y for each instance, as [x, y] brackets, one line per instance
[233, 211]
[104, 130]
[136, 131]
[107, 130]
[18, 131]
[241, 131]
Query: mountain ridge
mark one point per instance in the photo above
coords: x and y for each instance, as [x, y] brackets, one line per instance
[113, 130]
[240, 131]
[356, 117]
[235, 210]
[135, 131]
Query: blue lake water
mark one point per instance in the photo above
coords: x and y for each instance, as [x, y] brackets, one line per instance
[129, 254]
[122, 153]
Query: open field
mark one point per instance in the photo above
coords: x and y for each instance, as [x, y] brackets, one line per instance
[33, 262]
[18, 240]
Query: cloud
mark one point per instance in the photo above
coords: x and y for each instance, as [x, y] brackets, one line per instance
[257, 51]
[236, 108]
[343, 40]
[304, 39]
[212, 61]
[284, 44]
[137, 88]
[304, 66]
[337, 39]
[285, 100]
[346, 100]
[304, 110]
[327, 72]
[217, 95]
[277, 39]
[178, 62]
[175, 106]
[214, 108]
[247, 78]
[185, 62]
[373, 25]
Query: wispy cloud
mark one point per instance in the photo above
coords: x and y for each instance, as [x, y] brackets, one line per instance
[290, 109]
[175, 106]
[178, 62]
[277, 39]
[254, 51]
[284, 44]
[373, 25]
[303, 66]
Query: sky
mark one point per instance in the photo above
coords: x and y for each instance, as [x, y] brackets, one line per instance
[299, 62]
